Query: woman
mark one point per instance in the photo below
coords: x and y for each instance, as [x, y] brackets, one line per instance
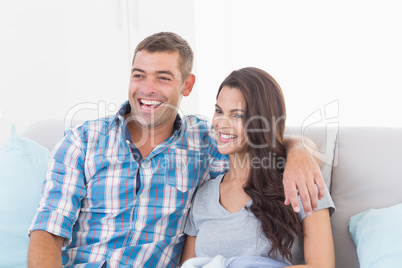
[242, 213]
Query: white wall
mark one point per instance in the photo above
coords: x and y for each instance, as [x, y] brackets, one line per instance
[63, 59]
[344, 56]
[59, 57]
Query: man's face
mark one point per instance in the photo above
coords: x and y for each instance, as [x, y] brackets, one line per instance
[155, 88]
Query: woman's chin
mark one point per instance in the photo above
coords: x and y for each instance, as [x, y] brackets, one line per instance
[225, 150]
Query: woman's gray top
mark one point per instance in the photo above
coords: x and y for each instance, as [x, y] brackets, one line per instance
[220, 232]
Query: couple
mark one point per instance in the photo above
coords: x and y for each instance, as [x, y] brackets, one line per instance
[118, 189]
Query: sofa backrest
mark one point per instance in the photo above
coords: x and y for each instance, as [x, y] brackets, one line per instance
[48, 132]
[368, 175]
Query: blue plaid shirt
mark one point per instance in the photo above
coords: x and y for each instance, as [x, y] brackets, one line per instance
[116, 209]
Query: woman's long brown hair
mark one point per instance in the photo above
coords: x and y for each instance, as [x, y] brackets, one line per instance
[265, 126]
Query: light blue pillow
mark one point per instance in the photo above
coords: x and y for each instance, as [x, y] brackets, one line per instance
[377, 234]
[23, 165]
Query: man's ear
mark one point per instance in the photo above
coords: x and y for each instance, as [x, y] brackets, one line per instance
[188, 85]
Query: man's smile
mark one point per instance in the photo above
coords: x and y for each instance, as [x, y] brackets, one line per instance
[148, 104]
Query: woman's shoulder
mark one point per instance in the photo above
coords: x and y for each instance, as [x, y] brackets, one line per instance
[325, 202]
[208, 190]
[212, 183]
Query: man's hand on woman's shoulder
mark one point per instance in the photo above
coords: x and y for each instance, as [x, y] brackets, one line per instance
[302, 173]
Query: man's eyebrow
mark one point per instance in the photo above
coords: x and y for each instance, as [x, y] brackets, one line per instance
[158, 72]
[137, 70]
[165, 72]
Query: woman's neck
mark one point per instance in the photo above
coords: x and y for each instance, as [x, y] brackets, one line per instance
[239, 166]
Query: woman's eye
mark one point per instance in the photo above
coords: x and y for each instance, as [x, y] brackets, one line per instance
[238, 116]
[218, 111]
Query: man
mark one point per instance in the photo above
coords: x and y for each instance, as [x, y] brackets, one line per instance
[118, 189]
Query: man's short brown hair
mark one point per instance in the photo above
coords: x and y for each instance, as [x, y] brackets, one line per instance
[169, 42]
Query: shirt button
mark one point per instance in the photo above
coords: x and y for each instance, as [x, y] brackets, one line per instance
[141, 196]
[146, 164]
[128, 142]
[112, 260]
[137, 225]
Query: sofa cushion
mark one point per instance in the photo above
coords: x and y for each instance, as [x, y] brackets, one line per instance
[23, 166]
[377, 235]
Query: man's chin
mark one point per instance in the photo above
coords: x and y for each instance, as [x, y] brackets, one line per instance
[147, 124]
[149, 121]
[150, 124]
[141, 119]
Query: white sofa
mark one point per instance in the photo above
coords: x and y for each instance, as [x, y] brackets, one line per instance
[361, 166]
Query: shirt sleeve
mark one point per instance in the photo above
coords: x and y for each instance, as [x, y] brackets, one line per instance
[325, 202]
[63, 188]
[190, 228]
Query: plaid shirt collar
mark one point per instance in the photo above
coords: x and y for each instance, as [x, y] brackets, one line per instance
[125, 109]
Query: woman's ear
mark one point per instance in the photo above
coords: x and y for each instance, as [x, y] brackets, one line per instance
[188, 85]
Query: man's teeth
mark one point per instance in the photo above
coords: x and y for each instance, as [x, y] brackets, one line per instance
[150, 102]
[226, 136]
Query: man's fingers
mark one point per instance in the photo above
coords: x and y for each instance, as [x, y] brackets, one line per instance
[312, 189]
[305, 199]
[295, 204]
[319, 181]
[291, 196]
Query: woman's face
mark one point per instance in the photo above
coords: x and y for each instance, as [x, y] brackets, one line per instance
[228, 121]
